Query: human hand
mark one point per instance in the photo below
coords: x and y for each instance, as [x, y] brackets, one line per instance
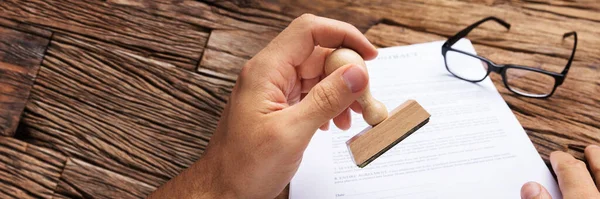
[574, 180]
[280, 99]
[268, 123]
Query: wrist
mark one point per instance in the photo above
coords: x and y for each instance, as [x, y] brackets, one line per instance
[201, 180]
[210, 183]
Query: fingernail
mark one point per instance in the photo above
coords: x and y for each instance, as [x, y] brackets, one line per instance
[530, 190]
[594, 146]
[355, 78]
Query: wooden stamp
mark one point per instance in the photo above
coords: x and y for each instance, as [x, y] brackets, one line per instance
[385, 131]
[373, 142]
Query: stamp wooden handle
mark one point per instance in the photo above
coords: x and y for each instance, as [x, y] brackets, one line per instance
[373, 111]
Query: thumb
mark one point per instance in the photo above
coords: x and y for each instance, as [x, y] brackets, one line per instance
[329, 97]
[534, 190]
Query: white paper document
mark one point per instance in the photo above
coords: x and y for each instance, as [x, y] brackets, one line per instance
[472, 147]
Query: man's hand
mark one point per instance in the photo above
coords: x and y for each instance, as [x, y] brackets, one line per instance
[574, 180]
[279, 101]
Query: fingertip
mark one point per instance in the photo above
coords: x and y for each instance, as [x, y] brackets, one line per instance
[555, 156]
[366, 50]
[343, 127]
[371, 53]
[534, 190]
[343, 120]
[591, 148]
[530, 190]
[355, 106]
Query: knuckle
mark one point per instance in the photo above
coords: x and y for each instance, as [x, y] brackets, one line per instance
[571, 165]
[325, 98]
[304, 21]
[246, 76]
[306, 17]
[246, 68]
[579, 165]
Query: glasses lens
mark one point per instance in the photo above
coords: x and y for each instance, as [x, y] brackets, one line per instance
[465, 66]
[530, 83]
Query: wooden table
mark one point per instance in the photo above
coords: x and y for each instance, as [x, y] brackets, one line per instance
[110, 99]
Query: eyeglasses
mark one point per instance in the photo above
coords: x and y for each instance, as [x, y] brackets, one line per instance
[522, 80]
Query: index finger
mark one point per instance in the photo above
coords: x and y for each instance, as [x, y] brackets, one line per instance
[592, 155]
[297, 41]
[573, 178]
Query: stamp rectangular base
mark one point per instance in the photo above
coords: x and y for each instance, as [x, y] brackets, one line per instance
[373, 142]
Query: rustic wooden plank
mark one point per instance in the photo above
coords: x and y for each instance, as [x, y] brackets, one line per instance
[340, 10]
[228, 50]
[527, 34]
[221, 64]
[565, 11]
[66, 190]
[238, 32]
[88, 181]
[158, 37]
[20, 56]
[567, 120]
[239, 43]
[579, 4]
[61, 196]
[114, 108]
[22, 49]
[587, 10]
[15, 83]
[220, 15]
[28, 171]
[27, 28]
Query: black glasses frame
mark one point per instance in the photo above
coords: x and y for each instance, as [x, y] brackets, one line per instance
[501, 68]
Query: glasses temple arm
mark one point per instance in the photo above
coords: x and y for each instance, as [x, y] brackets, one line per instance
[463, 33]
[574, 34]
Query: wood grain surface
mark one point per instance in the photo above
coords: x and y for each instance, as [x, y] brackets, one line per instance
[21, 50]
[124, 94]
[238, 32]
[126, 110]
[28, 171]
[157, 37]
[81, 179]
